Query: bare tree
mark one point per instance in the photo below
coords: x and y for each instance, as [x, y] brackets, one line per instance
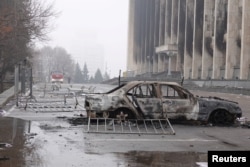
[21, 23]
[34, 18]
[52, 59]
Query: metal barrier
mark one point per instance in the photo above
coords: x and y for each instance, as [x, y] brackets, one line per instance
[50, 105]
[132, 126]
[47, 100]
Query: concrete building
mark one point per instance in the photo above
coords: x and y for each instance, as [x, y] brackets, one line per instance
[201, 39]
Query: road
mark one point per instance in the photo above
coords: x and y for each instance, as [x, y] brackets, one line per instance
[46, 137]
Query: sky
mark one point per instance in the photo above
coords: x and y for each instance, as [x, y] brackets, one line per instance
[100, 26]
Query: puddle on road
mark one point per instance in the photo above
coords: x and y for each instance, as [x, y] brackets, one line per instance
[169, 159]
[49, 144]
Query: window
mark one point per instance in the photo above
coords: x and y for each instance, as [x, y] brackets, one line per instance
[143, 91]
[169, 92]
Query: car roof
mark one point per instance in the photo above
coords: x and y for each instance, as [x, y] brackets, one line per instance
[152, 82]
[130, 84]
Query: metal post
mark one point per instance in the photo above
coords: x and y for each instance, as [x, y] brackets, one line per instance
[31, 82]
[119, 79]
[16, 83]
[23, 78]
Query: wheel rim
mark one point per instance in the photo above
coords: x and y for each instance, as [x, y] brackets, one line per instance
[105, 114]
[125, 111]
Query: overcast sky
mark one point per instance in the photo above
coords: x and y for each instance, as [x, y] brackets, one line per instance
[103, 23]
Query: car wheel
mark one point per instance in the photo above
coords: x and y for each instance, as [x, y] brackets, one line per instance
[105, 114]
[125, 111]
[222, 117]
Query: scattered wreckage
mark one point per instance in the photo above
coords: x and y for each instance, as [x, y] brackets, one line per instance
[160, 100]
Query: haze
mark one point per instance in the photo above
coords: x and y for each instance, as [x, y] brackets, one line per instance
[93, 25]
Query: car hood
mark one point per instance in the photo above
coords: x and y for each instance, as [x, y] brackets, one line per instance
[96, 96]
[210, 98]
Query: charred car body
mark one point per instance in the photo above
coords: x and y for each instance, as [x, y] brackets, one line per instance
[157, 100]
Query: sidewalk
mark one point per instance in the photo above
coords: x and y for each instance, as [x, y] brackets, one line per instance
[6, 95]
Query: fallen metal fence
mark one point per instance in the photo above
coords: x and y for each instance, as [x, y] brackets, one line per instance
[131, 126]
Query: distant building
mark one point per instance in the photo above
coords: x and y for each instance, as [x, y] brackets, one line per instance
[202, 39]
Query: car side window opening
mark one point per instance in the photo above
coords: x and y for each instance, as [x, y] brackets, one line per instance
[168, 91]
[143, 91]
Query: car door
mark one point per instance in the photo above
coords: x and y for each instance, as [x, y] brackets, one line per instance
[146, 100]
[177, 103]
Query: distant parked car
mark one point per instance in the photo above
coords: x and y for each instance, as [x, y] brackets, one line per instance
[56, 77]
[157, 100]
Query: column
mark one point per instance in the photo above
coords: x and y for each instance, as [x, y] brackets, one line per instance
[156, 35]
[161, 62]
[137, 34]
[188, 52]
[220, 28]
[208, 31]
[162, 22]
[168, 15]
[198, 36]
[174, 28]
[131, 59]
[181, 35]
[146, 56]
[142, 36]
[245, 40]
[151, 47]
[155, 63]
[232, 49]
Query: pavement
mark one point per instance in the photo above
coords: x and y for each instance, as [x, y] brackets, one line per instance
[6, 96]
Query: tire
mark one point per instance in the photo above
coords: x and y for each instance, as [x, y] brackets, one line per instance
[130, 114]
[221, 117]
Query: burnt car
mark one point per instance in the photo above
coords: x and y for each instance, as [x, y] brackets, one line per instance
[158, 100]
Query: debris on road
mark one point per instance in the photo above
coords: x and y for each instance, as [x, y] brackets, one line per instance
[243, 122]
[5, 145]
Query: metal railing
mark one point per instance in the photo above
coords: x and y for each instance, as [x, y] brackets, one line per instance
[131, 126]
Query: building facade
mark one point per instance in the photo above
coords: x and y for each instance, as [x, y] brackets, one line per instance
[201, 39]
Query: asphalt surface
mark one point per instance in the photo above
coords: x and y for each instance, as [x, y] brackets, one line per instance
[37, 138]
